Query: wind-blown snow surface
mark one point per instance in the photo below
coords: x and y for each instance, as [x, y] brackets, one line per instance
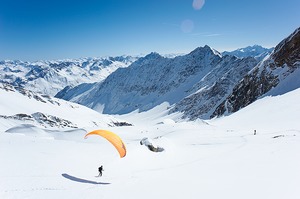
[215, 159]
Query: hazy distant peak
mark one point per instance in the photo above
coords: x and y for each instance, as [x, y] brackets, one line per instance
[255, 51]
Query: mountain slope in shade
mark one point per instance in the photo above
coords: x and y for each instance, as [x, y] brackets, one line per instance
[153, 80]
[214, 87]
[276, 75]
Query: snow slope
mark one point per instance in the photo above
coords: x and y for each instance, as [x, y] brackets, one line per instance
[211, 159]
[19, 106]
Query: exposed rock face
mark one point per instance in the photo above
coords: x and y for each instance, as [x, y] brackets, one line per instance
[288, 51]
[214, 87]
[281, 64]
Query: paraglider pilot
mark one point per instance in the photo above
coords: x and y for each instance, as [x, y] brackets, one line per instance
[100, 169]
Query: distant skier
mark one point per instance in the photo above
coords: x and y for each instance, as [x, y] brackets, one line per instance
[100, 169]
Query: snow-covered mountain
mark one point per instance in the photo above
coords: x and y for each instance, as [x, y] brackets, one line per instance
[252, 153]
[198, 82]
[277, 74]
[214, 87]
[49, 77]
[19, 106]
[256, 51]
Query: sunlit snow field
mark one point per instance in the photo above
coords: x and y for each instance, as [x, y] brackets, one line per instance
[219, 158]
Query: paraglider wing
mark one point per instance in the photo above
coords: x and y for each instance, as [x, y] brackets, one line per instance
[112, 138]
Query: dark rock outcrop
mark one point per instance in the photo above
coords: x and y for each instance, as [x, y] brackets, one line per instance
[264, 77]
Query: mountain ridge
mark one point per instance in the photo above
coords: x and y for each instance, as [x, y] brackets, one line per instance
[256, 51]
[154, 79]
[49, 77]
[281, 67]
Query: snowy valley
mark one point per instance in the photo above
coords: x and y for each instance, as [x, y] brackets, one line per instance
[250, 150]
[211, 159]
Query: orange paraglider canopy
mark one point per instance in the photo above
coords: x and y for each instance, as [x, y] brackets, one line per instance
[112, 138]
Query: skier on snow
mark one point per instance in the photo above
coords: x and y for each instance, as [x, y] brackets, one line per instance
[100, 169]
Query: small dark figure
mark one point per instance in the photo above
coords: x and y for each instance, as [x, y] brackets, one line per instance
[254, 132]
[100, 169]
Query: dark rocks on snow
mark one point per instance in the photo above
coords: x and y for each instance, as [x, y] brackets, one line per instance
[151, 146]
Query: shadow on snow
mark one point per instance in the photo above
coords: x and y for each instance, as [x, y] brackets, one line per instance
[73, 178]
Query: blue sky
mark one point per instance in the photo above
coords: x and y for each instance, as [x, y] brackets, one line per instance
[57, 29]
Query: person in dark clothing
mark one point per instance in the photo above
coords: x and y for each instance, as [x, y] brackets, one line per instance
[100, 169]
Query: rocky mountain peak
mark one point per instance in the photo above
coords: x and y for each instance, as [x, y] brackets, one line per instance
[153, 80]
[277, 74]
[204, 51]
[288, 51]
